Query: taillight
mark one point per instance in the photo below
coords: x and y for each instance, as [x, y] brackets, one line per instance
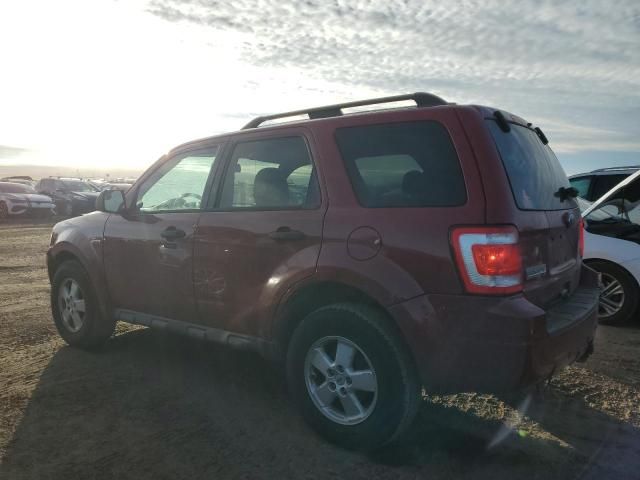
[581, 238]
[489, 259]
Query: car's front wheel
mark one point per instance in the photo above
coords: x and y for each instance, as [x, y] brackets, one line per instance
[352, 377]
[618, 293]
[75, 309]
[4, 211]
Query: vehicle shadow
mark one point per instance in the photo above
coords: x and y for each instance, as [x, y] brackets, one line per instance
[155, 406]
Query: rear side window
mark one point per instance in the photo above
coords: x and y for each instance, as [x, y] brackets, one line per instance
[271, 174]
[581, 184]
[534, 172]
[410, 164]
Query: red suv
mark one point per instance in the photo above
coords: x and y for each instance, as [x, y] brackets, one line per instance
[369, 254]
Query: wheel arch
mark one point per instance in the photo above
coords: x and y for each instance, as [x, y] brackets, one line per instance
[62, 252]
[590, 261]
[309, 298]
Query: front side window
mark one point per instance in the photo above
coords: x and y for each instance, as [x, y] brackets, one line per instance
[270, 174]
[179, 185]
[77, 186]
[409, 164]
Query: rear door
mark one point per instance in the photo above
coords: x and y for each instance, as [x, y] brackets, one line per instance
[148, 251]
[548, 220]
[262, 234]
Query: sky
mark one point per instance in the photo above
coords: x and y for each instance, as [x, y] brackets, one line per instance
[118, 83]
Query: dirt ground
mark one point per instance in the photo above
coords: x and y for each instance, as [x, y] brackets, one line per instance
[154, 406]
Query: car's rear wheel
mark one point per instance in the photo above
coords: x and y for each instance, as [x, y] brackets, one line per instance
[4, 211]
[352, 377]
[75, 308]
[618, 293]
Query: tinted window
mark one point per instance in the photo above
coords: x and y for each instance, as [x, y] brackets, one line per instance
[179, 185]
[270, 174]
[411, 164]
[534, 172]
[581, 184]
[77, 186]
[604, 183]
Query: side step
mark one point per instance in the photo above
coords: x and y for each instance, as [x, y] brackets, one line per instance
[215, 335]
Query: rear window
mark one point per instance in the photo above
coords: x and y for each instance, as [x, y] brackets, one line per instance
[410, 164]
[534, 172]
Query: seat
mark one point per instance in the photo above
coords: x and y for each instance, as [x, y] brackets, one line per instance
[270, 188]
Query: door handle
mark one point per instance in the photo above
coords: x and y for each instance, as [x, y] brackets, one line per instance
[285, 233]
[172, 233]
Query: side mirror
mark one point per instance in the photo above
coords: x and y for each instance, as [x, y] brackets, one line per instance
[110, 201]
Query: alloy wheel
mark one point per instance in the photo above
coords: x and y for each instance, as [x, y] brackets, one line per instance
[341, 380]
[611, 296]
[71, 305]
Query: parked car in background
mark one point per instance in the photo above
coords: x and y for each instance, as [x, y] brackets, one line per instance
[115, 184]
[368, 254]
[612, 247]
[593, 185]
[72, 196]
[17, 199]
[22, 179]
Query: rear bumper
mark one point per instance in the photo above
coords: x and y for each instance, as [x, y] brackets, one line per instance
[484, 344]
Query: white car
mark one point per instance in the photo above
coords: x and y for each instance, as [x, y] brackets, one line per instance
[17, 199]
[612, 247]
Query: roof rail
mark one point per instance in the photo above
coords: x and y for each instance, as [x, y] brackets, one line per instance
[422, 99]
[608, 169]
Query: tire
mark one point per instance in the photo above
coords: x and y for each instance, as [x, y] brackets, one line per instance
[627, 299]
[4, 211]
[92, 330]
[385, 413]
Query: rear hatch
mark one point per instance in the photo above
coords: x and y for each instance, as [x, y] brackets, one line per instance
[546, 215]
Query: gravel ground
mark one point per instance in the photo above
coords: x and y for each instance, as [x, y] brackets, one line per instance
[153, 406]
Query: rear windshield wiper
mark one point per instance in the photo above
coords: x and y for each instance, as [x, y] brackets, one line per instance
[543, 138]
[565, 193]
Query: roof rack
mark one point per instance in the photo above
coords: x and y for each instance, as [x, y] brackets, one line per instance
[422, 99]
[609, 169]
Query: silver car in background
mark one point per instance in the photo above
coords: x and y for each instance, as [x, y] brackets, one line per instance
[18, 199]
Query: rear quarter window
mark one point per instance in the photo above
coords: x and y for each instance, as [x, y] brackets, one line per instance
[534, 172]
[581, 184]
[409, 164]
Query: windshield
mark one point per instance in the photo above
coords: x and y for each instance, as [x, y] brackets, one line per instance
[15, 188]
[534, 172]
[78, 186]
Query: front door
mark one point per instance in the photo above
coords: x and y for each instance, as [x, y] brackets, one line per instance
[148, 250]
[262, 234]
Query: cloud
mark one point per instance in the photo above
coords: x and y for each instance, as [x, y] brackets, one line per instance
[9, 152]
[578, 65]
